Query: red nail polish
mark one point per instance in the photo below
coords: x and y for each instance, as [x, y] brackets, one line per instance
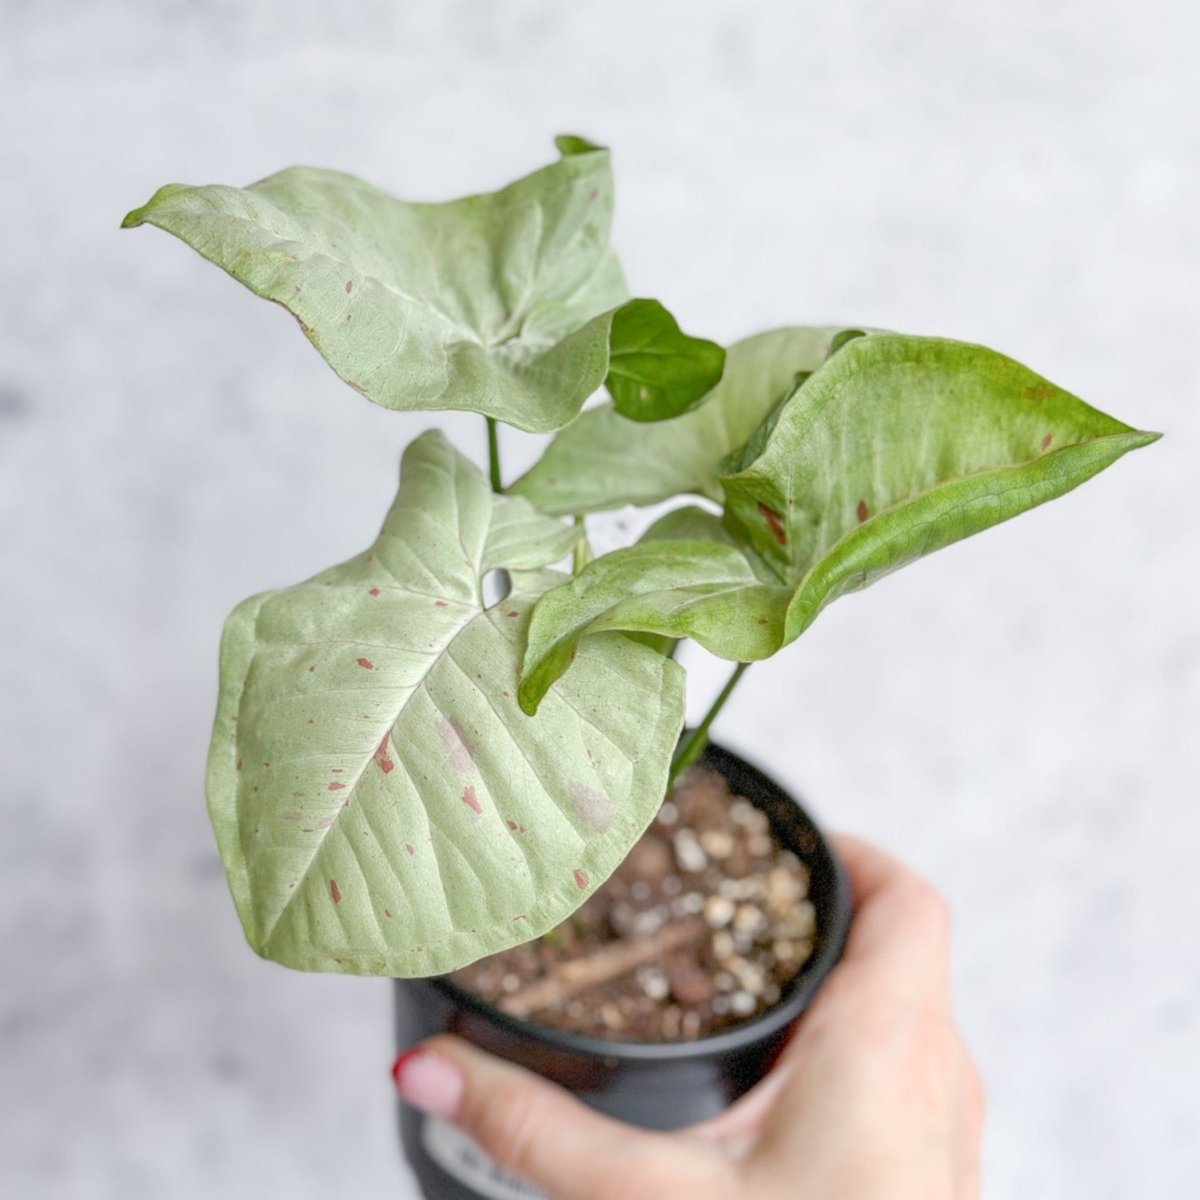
[403, 1057]
[429, 1082]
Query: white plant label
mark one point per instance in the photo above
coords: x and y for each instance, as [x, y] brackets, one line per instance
[460, 1157]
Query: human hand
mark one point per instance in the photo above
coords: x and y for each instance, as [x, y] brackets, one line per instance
[875, 1098]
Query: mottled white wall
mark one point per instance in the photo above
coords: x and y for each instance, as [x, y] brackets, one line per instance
[1017, 716]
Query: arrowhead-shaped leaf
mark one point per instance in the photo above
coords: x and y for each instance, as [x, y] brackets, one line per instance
[705, 590]
[604, 460]
[894, 448]
[899, 446]
[499, 304]
[381, 803]
[655, 370]
[502, 304]
[710, 590]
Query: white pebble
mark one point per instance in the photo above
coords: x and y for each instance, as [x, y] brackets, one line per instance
[741, 812]
[688, 851]
[756, 821]
[806, 917]
[783, 888]
[749, 919]
[717, 843]
[654, 984]
[742, 1003]
[718, 911]
[648, 922]
[749, 975]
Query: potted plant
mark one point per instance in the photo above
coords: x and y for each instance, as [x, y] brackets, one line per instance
[441, 748]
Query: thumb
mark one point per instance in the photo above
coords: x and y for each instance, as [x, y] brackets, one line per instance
[531, 1127]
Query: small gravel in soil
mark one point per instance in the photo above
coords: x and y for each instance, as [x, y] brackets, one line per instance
[699, 929]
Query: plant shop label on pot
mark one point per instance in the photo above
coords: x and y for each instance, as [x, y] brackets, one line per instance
[460, 1157]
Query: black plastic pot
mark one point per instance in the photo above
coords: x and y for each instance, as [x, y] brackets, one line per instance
[655, 1086]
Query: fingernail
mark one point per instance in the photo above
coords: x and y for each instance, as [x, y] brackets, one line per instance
[429, 1082]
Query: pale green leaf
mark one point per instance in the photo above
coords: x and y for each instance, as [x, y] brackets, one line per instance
[682, 524]
[704, 590]
[894, 448]
[655, 370]
[499, 303]
[381, 803]
[603, 460]
[692, 524]
[899, 446]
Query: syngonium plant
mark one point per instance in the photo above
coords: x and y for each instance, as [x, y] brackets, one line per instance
[405, 775]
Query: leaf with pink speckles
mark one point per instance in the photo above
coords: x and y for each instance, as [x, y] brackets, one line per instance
[895, 447]
[899, 446]
[511, 304]
[499, 303]
[409, 802]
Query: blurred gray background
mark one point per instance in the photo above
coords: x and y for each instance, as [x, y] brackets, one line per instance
[1017, 716]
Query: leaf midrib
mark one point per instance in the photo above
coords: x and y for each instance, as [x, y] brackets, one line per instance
[436, 656]
[311, 253]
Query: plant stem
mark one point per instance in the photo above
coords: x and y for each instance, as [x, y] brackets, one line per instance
[582, 554]
[494, 455]
[694, 746]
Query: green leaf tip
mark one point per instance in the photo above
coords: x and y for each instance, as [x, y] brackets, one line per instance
[143, 215]
[569, 144]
